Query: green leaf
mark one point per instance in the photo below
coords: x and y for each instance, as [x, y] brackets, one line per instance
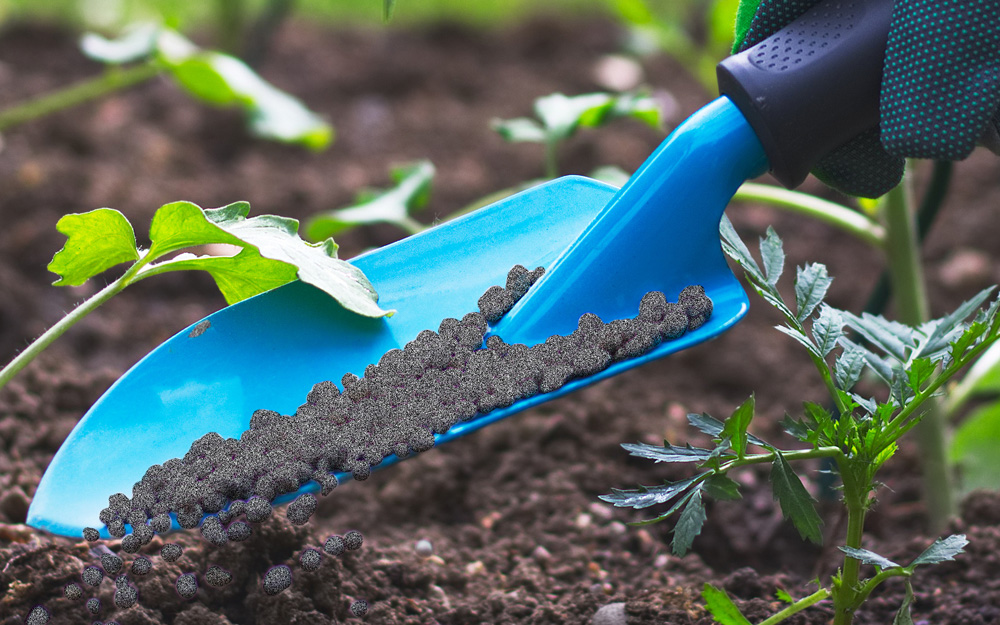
[744, 16]
[796, 428]
[179, 225]
[519, 129]
[667, 453]
[199, 77]
[689, 524]
[890, 336]
[782, 595]
[95, 241]
[773, 254]
[734, 247]
[395, 205]
[811, 285]
[938, 339]
[903, 616]
[721, 607]
[801, 338]
[646, 496]
[827, 329]
[942, 550]
[735, 427]
[974, 449]
[713, 427]
[869, 557]
[561, 115]
[388, 6]
[238, 277]
[135, 44]
[796, 504]
[722, 488]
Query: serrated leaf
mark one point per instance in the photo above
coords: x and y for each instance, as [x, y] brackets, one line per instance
[722, 488]
[891, 337]
[827, 329]
[734, 247]
[394, 205]
[689, 524]
[135, 44]
[938, 339]
[796, 503]
[782, 595]
[95, 241]
[706, 423]
[877, 364]
[667, 453]
[903, 616]
[919, 372]
[519, 129]
[811, 284]
[942, 550]
[869, 557]
[773, 254]
[735, 427]
[796, 428]
[238, 277]
[721, 607]
[803, 340]
[646, 496]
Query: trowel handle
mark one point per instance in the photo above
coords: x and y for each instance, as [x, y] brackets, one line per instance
[813, 85]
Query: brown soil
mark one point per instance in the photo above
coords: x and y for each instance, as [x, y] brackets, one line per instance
[518, 533]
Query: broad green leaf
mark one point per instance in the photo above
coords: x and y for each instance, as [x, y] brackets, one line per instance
[722, 487]
[773, 254]
[646, 496]
[796, 503]
[519, 129]
[395, 205]
[734, 247]
[179, 225]
[561, 115]
[811, 285]
[903, 616]
[735, 427]
[721, 607]
[869, 557]
[238, 277]
[827, 329]
[943, 549]
[199, 77]
[95, 241]
[689, 524]
[801, 338]
[667, 453]
[135, 44]
[635, 105]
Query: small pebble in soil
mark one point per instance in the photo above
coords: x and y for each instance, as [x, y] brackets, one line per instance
[94, 605]
[111, 563]
[39, 615]
[424, 548]
[277, 579]
[238, 531]
[91, 535]
[310, 559]
[301, 510]
[334, 545]
[141, 565]
[187, 585]
[610, 614]
[73, 591]
[217, 577]
[359, 607]
[126, 596]
[92, 576]
[171, 552]
[353, 540]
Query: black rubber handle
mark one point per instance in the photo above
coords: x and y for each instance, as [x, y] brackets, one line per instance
[813, 85]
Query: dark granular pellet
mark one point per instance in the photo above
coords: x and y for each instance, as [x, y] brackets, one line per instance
[300, 510]
[126, 596]
[310, 559]
[334, 545]
[39, 615]
[353, 540]
[91, 535]
[171, 551]
[696, 304]
[92, 576]
[238, 531]
[121, 580]
[359, 607]
[116, 528]
[187, 585]
[213, 532]
[94, 605]
[111, 563]
[73, 591]
[217, 577]
[277, 579]
[131, 543]
[160, 523]
[141, 565]
[257, 509]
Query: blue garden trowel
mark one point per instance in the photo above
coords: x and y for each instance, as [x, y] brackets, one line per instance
[787, 102]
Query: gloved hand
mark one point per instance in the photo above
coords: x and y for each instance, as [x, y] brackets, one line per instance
[940, 87]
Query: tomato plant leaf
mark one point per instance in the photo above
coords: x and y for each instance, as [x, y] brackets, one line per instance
[890, 336]
[179, 225]
[713, 427]
[735, 427]
[939, 339]
[395, 205]
[238, 277]
[736, 249]
[869, 557]
[796, 503]
[827, 329]
[772, 252]
[667, 453]
[903, 616]
[721, 607]
[941, 550]
[811, 284]
[804, 340]
[722, 487]
[689, 524]
[95, 241]
[646, 496]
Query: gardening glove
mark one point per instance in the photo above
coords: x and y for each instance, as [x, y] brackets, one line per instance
[940, 87]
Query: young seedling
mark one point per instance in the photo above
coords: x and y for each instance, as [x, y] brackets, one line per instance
[859, 435]
[270, 254]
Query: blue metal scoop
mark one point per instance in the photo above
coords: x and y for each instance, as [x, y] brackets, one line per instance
[602, 250]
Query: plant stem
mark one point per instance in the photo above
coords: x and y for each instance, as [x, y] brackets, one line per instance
[845, 599]
[113, 79]
[551, 158]
[797, 607]
[832, 213]
[909, 290]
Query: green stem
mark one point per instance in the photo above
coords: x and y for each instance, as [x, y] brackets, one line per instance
[797, 607]
[845, 599]
[112, 80]
[551, 159]
[874, 582]
[832, 213]
[912, 308]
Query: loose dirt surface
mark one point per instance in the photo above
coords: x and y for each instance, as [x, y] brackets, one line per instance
[518, 533]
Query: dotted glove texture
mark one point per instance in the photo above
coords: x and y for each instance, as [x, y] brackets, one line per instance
[940, 87]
